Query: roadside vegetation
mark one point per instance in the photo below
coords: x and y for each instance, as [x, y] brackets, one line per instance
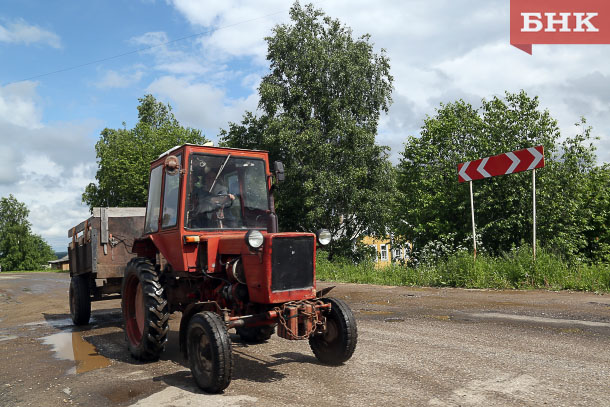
[515, 269]
[20, 248]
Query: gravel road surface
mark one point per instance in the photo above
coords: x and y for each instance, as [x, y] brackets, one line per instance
[416, 347]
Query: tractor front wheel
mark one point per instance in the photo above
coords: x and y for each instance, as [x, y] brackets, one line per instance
[144, 310]
[80, 299]
[338, 341]
[209, 352]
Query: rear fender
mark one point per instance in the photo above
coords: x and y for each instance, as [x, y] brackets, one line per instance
[145, 247]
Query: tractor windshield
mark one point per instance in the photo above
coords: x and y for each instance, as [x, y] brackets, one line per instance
[226, 192]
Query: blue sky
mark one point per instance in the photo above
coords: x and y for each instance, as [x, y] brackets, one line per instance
[440, 51]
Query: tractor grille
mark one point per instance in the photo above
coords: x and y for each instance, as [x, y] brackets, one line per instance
[292, 263]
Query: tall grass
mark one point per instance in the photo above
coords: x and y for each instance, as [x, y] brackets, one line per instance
[515, 269]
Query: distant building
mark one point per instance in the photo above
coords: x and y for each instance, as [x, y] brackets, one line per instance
[386, 254]
[62, 264]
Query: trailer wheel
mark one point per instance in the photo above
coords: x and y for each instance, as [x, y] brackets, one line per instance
[257, 334]
[144, 310]
[80, 299]
[338, 342]
[209, 352]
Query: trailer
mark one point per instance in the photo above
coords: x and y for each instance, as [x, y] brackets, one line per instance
[98, 253]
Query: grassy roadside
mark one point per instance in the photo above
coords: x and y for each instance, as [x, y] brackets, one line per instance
[515, 270]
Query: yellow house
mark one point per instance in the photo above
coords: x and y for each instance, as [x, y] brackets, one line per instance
[385, 253]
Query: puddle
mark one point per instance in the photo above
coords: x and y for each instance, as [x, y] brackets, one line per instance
[369, 312]
[121, 395]
[72, 346]
[393, 320]
[7, 337]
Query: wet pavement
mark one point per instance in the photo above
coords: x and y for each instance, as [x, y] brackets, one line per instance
[417, 346]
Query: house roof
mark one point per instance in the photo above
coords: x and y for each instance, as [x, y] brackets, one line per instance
[64, 259]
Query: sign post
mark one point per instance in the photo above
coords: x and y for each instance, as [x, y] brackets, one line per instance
[503, 164]
[474, 235]
[534, 208]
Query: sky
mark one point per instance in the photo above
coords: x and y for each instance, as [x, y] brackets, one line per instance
[70, 68]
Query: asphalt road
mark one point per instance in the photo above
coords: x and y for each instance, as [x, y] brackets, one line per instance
[416, 346]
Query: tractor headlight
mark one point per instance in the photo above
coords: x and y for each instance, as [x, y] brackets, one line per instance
[254, 239]
[324, 236]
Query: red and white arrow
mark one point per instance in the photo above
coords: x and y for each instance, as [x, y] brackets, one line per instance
[502, 164]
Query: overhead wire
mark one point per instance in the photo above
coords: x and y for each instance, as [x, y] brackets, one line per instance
[98, 61]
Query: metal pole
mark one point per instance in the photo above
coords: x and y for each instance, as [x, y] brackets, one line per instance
[474, 238]
[534, 206]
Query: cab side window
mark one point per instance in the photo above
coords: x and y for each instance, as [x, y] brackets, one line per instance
[154, 200]
[171, 193]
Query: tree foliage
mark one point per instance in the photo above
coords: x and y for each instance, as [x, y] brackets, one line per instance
[572, 204]
[20, 249]
[321, 105]
[124, 155]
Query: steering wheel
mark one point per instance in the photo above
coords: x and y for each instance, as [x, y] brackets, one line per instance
[221, 201]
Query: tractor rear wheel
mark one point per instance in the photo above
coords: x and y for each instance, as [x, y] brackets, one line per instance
[256, 334]
[80, 299]
[338, 342]
[144, 310]
[209, 352]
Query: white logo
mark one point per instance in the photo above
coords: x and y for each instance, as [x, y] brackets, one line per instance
[533, 22]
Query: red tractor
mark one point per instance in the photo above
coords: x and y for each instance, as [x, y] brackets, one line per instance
[212, 251]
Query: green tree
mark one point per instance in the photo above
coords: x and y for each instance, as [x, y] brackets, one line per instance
[433, 207]
[19, 248]
[320, 105]
[598, 236]
[124, 155]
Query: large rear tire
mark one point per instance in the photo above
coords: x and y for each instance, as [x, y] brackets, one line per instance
[209, 352]
[338, 342]
[80, 299]
[144, 310]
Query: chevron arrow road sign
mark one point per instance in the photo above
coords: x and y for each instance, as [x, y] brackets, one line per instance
[502, 164]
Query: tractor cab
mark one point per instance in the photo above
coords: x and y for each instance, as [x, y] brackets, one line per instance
[206, 194]
[201, 188]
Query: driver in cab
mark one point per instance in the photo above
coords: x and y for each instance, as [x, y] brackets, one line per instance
[211, 197]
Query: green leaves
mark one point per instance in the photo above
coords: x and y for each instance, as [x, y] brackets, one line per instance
[20, 249]
[321, 104]
[124, 156]
[432, 203]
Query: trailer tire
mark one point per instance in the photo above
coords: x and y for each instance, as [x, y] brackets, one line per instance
[338, 342]
[145, 310]
[80, 299]
[209, 352]
[256, 334]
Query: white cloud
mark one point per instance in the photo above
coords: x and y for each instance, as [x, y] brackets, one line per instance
[44, 165]
[20, 32]
[18, 105]
[113, 79]
[202, 105]
[170, 57]
[237, 27]
[53, 200]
